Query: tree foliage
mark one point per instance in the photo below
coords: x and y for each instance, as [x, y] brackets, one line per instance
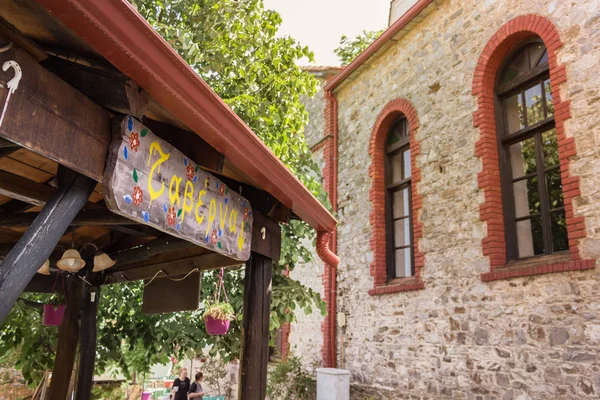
[232, 45]
[350, 48]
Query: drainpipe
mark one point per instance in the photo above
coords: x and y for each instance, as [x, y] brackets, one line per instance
[332, 162]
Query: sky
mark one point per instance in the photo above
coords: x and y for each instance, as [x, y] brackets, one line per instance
[319, 24]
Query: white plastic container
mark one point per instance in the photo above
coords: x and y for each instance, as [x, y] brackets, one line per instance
[333, 384]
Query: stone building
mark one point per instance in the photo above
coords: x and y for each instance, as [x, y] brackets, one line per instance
[462, 154]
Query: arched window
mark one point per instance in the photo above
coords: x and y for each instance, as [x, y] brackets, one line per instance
[398, 201]
[532, 193]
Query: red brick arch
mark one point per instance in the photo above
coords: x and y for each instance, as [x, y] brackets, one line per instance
[497, 49]
[390, 112]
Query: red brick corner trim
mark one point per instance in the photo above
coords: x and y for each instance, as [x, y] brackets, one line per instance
[498, 47]
[390, 112]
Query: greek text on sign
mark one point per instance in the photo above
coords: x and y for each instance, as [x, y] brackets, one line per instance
[148, 180]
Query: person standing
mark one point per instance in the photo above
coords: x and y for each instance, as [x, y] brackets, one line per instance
[181, 385]
[196, 391]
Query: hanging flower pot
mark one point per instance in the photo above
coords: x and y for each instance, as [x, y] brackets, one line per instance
[218, 315]
[53, 314]
[216, 326]
[217, 318]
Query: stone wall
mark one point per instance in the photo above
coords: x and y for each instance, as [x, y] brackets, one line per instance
[523, 338]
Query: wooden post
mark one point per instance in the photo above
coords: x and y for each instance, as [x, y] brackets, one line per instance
[68, 337]
[255, 328]
[36, 245]
[88, 336]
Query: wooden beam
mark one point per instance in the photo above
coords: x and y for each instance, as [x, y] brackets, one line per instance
[25, 190]
[266, 236]
[36, 245]
[7, 144]
[15, 36]
[154, 247]
[68, 337]
[99, 217]
[42, 284]
[49, 117]
[255, 328]
[88, 337]
[113, 90]
[190, 144]
[105, 87]
[171, 268]
[14, 207]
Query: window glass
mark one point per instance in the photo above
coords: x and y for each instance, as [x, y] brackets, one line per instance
[534, 105]
[402, 232]
[401, 203]
[549, 101]
[398, 131]
[560, 240]
[406, 157]
[537, 53]
[529, 237]
[513, 107]
[396, 166]
[527, 197]
[517, 67]
[550, 148]
[403, 262]
[522, 158]
[554, 186]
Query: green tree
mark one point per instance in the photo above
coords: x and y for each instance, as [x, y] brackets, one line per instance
[232, 45]
[350, 48]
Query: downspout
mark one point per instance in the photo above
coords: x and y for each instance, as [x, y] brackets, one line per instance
[328, 243]
[331, 260]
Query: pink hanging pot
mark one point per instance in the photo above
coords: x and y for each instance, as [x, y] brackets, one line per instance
[216, 326]
[53, 314]
[217, 315]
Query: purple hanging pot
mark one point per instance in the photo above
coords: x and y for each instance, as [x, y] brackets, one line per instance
[53, 315]
[216, 326]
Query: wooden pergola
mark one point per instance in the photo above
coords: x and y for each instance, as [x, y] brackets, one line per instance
[108, 138]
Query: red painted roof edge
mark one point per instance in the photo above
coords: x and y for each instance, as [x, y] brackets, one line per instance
[122, 36]
[389, 33]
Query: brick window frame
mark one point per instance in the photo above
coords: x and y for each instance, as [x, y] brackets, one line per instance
[502, 43]
[377, 195]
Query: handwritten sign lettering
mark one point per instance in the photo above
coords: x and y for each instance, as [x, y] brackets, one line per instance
[148, 180]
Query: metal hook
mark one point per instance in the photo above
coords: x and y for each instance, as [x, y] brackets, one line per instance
[13, 84]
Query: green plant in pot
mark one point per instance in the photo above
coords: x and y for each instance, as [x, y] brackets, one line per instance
[217, 317]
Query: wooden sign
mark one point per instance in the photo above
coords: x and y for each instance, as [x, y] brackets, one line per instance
[162, 294]
[148, 180]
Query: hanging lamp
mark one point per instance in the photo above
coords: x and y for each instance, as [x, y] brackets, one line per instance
[45, 268]
[71, 260]
[102, 260]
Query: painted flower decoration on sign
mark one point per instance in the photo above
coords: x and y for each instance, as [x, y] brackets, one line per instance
[171, 216]
[221, 190]
[134, 141]
[190, 172]
[214, 237]
[245, 214]
[138, 195]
